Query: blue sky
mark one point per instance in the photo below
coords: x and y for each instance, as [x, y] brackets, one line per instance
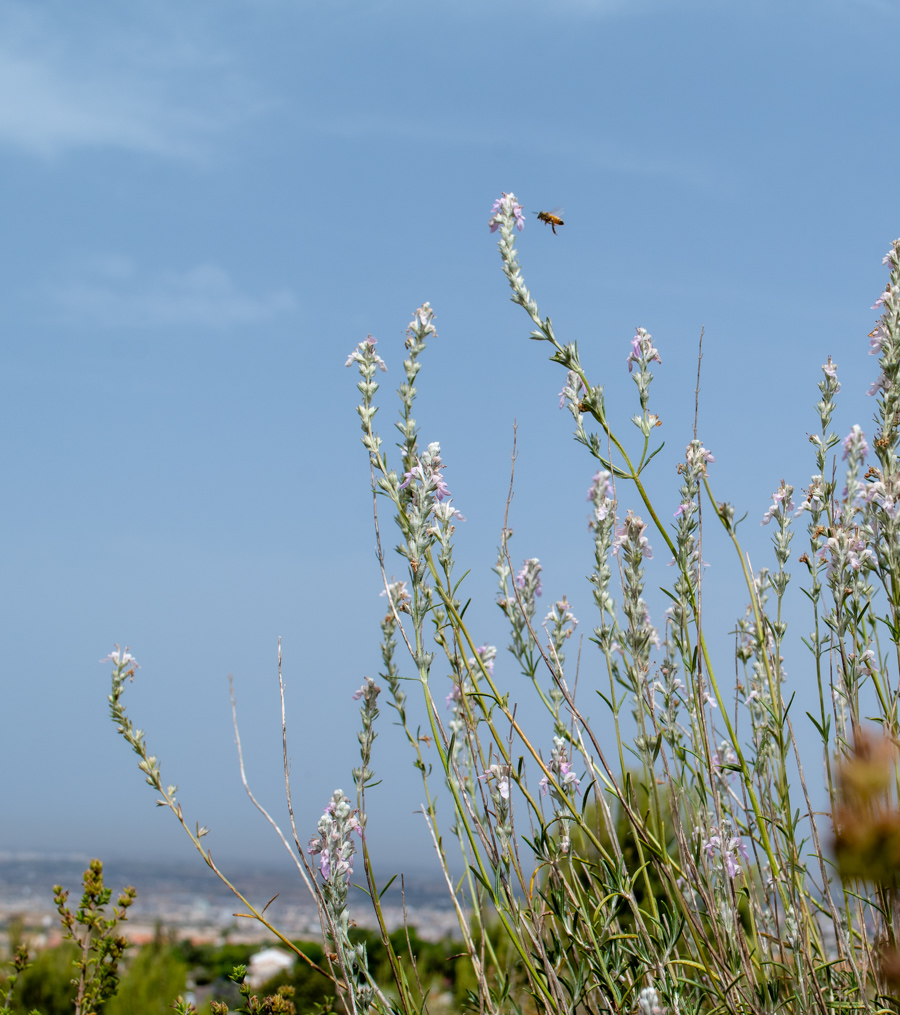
[207, 206]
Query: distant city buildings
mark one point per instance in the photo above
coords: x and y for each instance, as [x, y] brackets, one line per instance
[186, 903]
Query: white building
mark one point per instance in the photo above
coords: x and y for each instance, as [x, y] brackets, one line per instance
[266, 964]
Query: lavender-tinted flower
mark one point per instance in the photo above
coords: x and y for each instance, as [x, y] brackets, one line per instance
[561, 768]
[769, 656]
[814, 502]
[122, 659]
[687, 548]
[334, 846]
[504, 207]
[855, 444]
[446, 513]
[421, 326]
[845, 549]
[829, 386]
[563, 788]
[443, 513]
[781, 511]
[724, 761]
[602, 496]
[642, 351]
[881, 518]
[399, 596]
[782, 504]
[890, 295]
[428, 519]
[695, 454]
[868, 661]
[855, 451]
[560, 624]
[457, 724]
[369, 712]
[632, 546]
[427, 472]
[500, 776]
[877, 338]
[672, 690]
[888, 502]
[333, 843]
[730, 849]
[642, 355]
[572, 392]
[562, 621]
[487, 654]
[853, 668]
[630, 535]
[508, 217]
[756, 652]
[528, 580]
[368, 361]
[885, 341]
[497, 778]
[401, 600]
[365, 355]
[420, 329]
[518, 600]
[879, 384]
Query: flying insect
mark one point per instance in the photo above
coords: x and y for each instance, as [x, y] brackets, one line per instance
[551, 218]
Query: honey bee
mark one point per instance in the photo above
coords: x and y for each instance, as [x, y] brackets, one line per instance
[551, 218]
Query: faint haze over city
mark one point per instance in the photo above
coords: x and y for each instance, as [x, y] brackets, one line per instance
[207, 205]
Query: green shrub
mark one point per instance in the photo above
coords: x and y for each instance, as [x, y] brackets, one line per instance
[157, 975]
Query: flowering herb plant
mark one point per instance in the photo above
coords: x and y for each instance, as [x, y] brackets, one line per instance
[681, 867]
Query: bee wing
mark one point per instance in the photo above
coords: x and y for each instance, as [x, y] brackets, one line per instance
[558, 211]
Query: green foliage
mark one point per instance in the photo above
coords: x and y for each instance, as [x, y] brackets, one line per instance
[157, 974]
[209, 962]
[20, 962]
[95, 953]
[46, 984]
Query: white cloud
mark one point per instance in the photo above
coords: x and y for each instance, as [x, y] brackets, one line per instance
[137, 87]
[116, 295]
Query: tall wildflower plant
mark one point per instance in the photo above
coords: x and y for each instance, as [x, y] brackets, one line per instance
[693, 874]
[680, 868]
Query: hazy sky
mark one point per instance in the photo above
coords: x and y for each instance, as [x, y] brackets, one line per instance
[207, 205]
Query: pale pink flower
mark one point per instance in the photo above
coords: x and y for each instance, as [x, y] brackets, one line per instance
[506, 203]
[121, 657]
